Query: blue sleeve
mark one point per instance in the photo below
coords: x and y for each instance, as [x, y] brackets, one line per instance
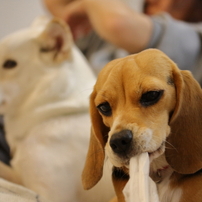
[179, 40]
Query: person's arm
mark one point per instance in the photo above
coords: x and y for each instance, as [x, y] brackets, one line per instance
[111, 19]
[56, 7]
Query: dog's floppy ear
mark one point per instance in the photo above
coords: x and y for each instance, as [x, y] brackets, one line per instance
[184, 144]
[54, 38]
[93, 168]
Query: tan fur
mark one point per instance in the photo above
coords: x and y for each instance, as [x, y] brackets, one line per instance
[173, 124]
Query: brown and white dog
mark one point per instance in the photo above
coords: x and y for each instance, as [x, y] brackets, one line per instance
[144, 103]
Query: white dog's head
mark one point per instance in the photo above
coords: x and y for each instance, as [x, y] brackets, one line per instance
[27, 55]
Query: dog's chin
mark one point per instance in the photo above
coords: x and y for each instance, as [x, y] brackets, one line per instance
[116, 160]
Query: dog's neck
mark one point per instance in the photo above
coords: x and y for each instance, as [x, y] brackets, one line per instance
[47, 98]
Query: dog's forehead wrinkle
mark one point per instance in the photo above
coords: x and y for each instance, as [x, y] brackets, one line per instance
[108, 70]
[157, 64]
[111, 87]
[116, 69]
[170, 81]
[102, 96]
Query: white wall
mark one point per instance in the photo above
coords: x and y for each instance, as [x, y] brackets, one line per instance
[16, 14]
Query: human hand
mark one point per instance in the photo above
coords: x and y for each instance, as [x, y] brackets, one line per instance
[111, 19]
[60, 8]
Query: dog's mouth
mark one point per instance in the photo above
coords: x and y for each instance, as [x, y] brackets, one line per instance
[152, 155]
[155, 154]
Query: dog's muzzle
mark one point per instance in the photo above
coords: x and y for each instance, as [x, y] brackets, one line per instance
[121, 142]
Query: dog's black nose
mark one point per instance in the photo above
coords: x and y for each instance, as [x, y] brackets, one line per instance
[121, 142]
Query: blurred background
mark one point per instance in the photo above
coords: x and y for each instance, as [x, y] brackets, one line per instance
[16, 14]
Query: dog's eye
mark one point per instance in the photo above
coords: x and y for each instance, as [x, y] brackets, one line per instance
[105, 109]
[151, 97]
[9, 64]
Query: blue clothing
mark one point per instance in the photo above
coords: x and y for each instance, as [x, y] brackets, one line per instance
[181, 41]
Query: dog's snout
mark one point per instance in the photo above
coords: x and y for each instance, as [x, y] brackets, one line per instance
[121, 142]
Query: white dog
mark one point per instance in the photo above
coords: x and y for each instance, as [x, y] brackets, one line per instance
[44, 87]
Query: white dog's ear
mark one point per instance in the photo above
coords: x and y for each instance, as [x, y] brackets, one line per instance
[54, 38]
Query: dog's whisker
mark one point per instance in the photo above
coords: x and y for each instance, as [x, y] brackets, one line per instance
[172, 146]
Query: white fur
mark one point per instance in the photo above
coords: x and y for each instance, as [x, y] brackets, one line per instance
[165, 191]
[44, 100]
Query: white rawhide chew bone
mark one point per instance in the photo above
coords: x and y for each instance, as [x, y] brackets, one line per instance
[140, 187]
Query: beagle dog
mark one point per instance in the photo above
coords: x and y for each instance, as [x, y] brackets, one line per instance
[144, 103]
